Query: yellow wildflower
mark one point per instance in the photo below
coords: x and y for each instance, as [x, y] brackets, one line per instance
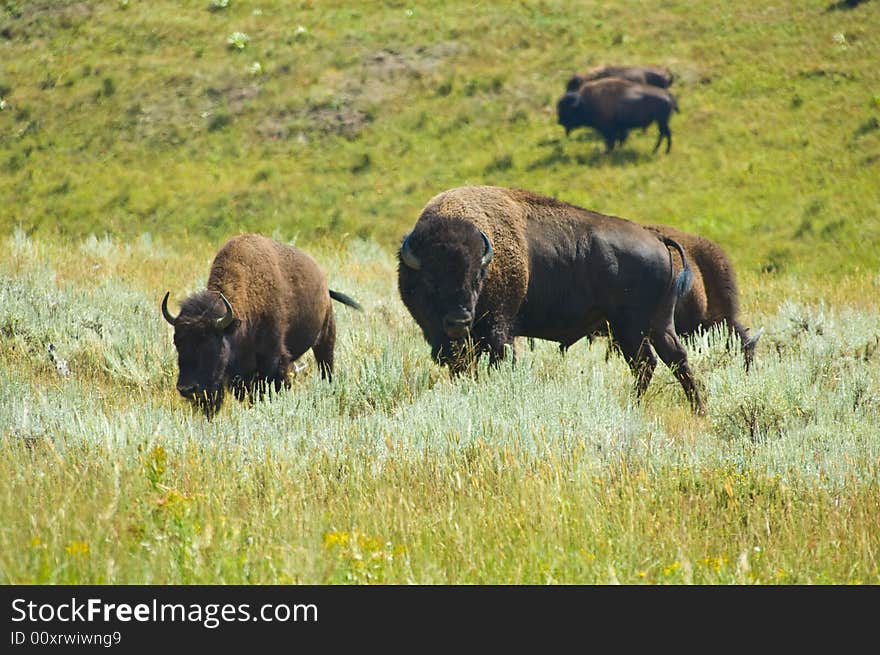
[77, 548]
[332, 539]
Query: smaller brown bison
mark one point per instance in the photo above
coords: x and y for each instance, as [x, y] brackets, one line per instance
[653, 75]
[265, 305]
[614, 106]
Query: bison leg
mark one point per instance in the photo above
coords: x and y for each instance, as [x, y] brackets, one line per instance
[499, 354]
[280, 377]
[271, 374]
[499, 342]
[613, 346]
[664, 133]
[642, 362]
[258, 387]
[747, 342]
[323, 348]
[240, 388]
[673, 354]
[609, 141]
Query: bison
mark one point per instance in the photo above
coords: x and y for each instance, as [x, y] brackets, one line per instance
[485, 264]
[614, 106]
[266, 303]
[713, 298]
[714, 295]
[653, 75]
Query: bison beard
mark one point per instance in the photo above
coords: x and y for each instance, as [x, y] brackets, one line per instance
[265, 305]
[486, 264]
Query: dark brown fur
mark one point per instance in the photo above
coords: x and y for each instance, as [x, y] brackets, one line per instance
[653, 75]
[559, 272]
[714, 296]
[281, 306]
[614, 106]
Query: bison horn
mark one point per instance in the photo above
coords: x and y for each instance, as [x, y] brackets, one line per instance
[407, 256]
[488, 251]
[168, 317]
[223, 323]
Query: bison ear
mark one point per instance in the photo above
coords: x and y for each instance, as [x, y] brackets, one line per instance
[232, 327]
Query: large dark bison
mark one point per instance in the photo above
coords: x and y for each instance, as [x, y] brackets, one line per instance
[486, 264]
[713, 298]
[653, 75]
[614, 106]
[266, 303]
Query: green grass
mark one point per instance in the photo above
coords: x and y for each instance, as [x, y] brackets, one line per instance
[134, 141]
[137, 117]
[397, 473]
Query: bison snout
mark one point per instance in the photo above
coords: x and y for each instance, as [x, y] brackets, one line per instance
[187, 390]
[457, 324]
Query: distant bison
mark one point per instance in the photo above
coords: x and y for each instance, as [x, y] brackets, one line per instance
[486, 264]
[653, 75]
[614, 106]
[265, 305]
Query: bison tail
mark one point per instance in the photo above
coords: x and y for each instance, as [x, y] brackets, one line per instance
[345, 300]
[683, 281]
[674, 103]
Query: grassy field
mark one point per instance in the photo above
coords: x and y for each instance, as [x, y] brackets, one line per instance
[135, 138]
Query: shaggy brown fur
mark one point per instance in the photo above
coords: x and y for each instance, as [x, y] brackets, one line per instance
[280, 308]
[614, 106]
[558, 272]
[653, 75]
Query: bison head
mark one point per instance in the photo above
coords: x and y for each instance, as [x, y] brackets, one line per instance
[570, 112]
[202, 336]
[441, 273]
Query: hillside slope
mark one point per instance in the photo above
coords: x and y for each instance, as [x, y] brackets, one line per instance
[323, 121]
